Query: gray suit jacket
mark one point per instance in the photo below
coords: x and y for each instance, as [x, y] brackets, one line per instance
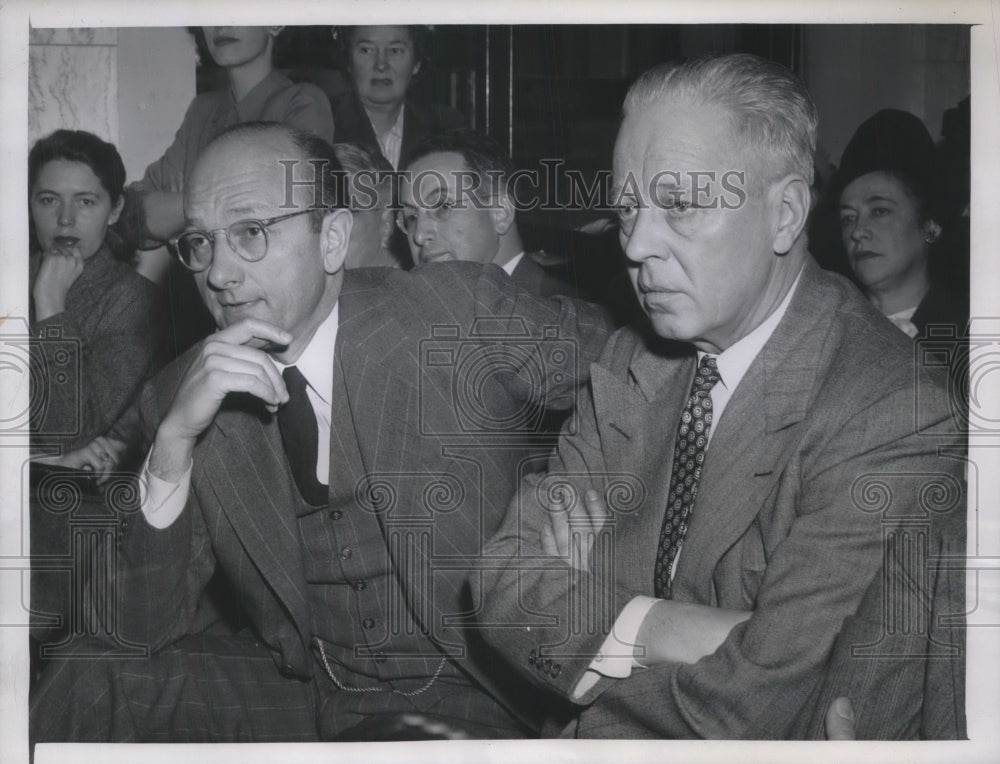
[403, 439]
[815, 454]
[900, 658]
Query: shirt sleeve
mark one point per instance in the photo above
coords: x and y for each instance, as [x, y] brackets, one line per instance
[162, 502]
[615, 658]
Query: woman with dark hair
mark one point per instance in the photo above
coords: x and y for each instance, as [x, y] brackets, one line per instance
[94, 317]
[382, 62]
[892, 220]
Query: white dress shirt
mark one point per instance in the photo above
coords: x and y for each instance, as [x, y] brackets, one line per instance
[511, 264]
[903, 321]
[162, 502]
[615, 658]
[391, 141]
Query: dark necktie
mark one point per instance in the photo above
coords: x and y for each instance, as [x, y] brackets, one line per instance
[297, 422]
[689, 454]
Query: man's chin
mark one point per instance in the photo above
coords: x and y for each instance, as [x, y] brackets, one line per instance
[669, 326]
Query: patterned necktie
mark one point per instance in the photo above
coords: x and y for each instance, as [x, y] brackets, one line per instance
[297, 422]
[689, 453]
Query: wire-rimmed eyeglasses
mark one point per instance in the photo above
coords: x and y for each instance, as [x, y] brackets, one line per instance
[406, 218]
[247, 238]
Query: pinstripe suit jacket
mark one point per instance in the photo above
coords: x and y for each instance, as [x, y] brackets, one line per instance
[788, 521]
[415, 464]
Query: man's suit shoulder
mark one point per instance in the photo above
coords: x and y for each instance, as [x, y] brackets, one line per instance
[870, 355]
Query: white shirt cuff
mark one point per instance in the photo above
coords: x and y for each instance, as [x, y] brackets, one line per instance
[162, 502]
[615, 657]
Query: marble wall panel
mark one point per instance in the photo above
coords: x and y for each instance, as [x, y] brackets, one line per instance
[101, 36]
[73, 82]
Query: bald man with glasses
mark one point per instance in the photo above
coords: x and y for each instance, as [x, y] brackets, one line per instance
[313, 452]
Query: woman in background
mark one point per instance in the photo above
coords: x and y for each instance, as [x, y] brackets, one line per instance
[96, 320]
[891, 220]
[382, 62]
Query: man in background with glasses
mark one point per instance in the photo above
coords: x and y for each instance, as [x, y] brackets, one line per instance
[455, 205]
[317, 457]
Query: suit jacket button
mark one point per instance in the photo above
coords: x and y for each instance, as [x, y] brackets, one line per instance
[336, 514]
[556, 668]
[547, 665]
[359, 586]
[288, 671]
[368, 623]
[532, 657]
[346, 552]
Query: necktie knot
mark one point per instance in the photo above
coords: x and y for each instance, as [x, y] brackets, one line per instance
[294, 381]
[706, 376]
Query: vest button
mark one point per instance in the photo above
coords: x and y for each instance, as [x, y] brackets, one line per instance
[345, 553]
[336, 514]
[368, 623]
[359, 586]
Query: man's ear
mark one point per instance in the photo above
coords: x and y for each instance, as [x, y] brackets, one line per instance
[335, 236]
[790, 197]
[416, 69]
[502, 210]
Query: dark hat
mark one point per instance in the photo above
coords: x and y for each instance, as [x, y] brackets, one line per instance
[895, 142]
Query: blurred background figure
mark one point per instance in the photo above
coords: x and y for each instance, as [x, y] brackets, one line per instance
[98, 321]
[892, 221]
[382, 62]
[369, 183]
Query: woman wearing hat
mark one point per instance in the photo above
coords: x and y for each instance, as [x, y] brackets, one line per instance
[891, 220]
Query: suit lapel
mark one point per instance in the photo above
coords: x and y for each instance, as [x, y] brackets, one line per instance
[368, 335]
[637, 425]
[755, 438]
[245, 468]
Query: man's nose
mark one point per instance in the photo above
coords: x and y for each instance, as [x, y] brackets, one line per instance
[645, 239]
[226, 268]
[381, 60]
[423, 229]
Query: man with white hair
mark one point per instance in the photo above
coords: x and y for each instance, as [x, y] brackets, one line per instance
[718, 506]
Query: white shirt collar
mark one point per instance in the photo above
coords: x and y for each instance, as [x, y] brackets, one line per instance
[734, 361]
[391, 142]
[316, 361]
[903, 321]
[511, 264]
